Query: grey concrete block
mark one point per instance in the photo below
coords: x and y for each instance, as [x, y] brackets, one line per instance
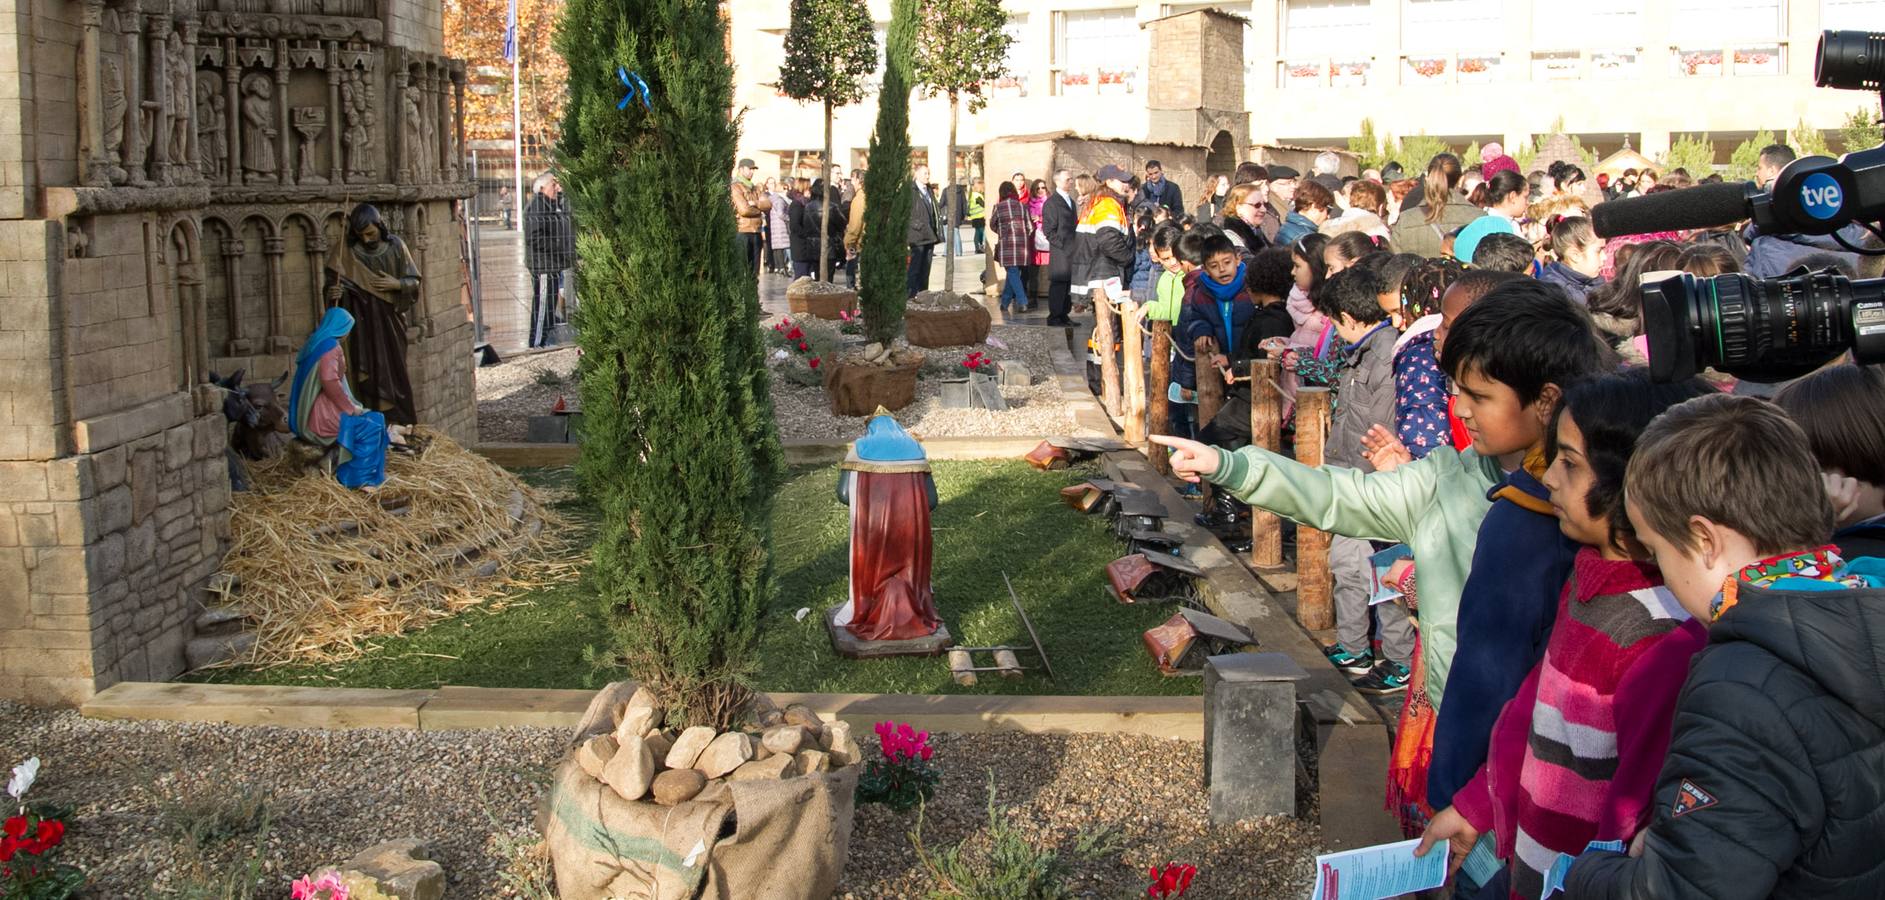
[1250, 735]
[1014, 373]
[548, 430]
[958, 394]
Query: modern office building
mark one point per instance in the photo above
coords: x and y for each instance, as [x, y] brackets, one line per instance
[1467, 70]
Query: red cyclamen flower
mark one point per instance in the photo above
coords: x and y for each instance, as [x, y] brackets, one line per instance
[814, 362]
[15, 827]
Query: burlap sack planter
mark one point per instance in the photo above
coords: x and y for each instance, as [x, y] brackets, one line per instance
[946, 328]
[775, 839]
[821, 304]
[858, 389]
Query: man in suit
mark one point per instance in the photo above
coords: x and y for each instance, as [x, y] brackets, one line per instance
[1157, 190]
[923, 234]
[1060, 219]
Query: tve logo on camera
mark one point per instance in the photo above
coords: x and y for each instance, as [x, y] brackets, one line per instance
[1820, 196]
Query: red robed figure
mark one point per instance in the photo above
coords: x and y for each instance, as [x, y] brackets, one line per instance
[887, 483]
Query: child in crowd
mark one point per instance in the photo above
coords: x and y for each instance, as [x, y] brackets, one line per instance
[1773, 785]
[1511, 356]
[1145, 271]
[1504, 253]
[1213, 340]
[1579, 258]
[1392, 269]
[1352, 301]
[1420, 394]
[1167, 295]
[1575, 753]
[1842, 410]
[1346, 249]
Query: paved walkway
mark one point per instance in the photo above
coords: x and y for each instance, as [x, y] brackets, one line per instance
[504, 288]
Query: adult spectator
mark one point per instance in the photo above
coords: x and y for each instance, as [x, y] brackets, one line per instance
[807, 213]
[844, 184]
[1157, 190]
[1282, 195]
[1774, 255]
[1492, 160]
[1327, 171]
[923, 234]
[749, 211]
[549, 249]
[778, 228]
[1060, 219]
[1424, 229]
[854, 228]
[1216, 189]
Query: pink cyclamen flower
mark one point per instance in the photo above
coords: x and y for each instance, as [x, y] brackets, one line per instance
[327, 887]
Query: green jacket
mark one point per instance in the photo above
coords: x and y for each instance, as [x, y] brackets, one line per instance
[1170, 300]
[1433, 505]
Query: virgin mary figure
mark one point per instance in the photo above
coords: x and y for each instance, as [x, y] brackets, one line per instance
[323, 411]
[887, 483]
[371, 276]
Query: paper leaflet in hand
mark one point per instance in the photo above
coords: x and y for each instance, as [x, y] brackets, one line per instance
[1378, 872]
[1554, 879]
[1383, 574]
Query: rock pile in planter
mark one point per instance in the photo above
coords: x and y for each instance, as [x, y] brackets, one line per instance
[807, 296]
[641, 760]
[945, 319]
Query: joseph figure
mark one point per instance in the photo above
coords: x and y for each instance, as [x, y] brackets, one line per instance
[371, 275]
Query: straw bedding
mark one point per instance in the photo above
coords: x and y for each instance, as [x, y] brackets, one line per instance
[317, 569]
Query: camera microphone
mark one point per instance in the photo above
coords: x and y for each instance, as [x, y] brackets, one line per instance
[1701, 206]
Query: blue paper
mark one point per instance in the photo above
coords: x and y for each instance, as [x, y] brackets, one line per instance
[1380, 563]
[1554, 879]
[1374, 873]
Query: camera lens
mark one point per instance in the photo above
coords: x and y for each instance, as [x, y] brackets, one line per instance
[1783, 328]
[1854, 60]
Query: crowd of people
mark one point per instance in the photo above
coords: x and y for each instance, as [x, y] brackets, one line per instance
[1633, 612]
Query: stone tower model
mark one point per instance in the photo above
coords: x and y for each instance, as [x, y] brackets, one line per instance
[1196, 88]
[172, 176]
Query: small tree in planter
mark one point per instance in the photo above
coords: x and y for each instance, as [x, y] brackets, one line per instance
[829, 51]
[683, 453]
[964, 45]
[887, 183]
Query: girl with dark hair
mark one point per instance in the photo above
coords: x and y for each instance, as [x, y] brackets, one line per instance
[1838, 407]
[1144, 271]
[1707, 261]
[1037, 204]
[1420, 391]
[1505, 203]
[1616, 306]
[805, 216]
[1578, 258]
[1442, 210]
[1345, 250]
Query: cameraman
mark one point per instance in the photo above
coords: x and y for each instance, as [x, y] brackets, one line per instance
[1774, 255]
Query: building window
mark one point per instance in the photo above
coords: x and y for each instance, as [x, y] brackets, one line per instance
[1020, 58]
[1592, 23]
[1702, 23]
[1096, 50]
[1441, 26]
[1324, 42]
[1840, 15]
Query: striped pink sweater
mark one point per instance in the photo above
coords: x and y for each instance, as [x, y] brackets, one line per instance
[1575, 754]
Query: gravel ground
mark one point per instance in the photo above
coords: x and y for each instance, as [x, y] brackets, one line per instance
[512, 391]
[331, 794]
[1039, 409]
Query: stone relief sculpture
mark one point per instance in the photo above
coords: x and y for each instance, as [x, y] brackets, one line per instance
[111, 90]
[310, 123]
[258, 129]
[356, 101]
[177, 69]
[429, 140]
[212, 128]
[415, 146]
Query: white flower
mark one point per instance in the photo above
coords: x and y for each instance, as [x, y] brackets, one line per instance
[22, 781]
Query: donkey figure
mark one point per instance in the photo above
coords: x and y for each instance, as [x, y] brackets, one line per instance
[259, 419]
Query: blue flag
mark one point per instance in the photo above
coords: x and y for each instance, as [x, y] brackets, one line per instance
[510, 32]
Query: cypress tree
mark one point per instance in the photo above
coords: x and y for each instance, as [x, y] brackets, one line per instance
[887, 183]
[680, 451]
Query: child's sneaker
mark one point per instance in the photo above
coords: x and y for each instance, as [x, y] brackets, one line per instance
[1387, 677]
[1349, 661]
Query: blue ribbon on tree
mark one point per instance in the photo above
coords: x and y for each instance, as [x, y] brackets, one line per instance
[635, 86]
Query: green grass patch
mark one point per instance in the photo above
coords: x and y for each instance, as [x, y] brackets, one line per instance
[993, 517]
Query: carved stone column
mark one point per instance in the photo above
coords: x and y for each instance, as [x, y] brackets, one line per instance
[91, 99]
[443, 113]
[193, 163]
[232, 279]
[273, 248]
[284, 127]
[317, 272]
[158, 101]
[336, 116]
[135, 141]
[401, 151]
[232, 88]
[456, 123]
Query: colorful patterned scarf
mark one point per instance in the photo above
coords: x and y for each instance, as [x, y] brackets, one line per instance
[1822, 565]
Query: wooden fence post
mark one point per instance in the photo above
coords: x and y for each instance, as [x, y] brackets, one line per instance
[1314, 587]
[1105, 334]
[1159, 393]
[1132, 357]
[1210, 381]
[1266, 432]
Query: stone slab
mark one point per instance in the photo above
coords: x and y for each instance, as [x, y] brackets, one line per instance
[850, 646]
[333, 708]
[466, 708]
[548, 430]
